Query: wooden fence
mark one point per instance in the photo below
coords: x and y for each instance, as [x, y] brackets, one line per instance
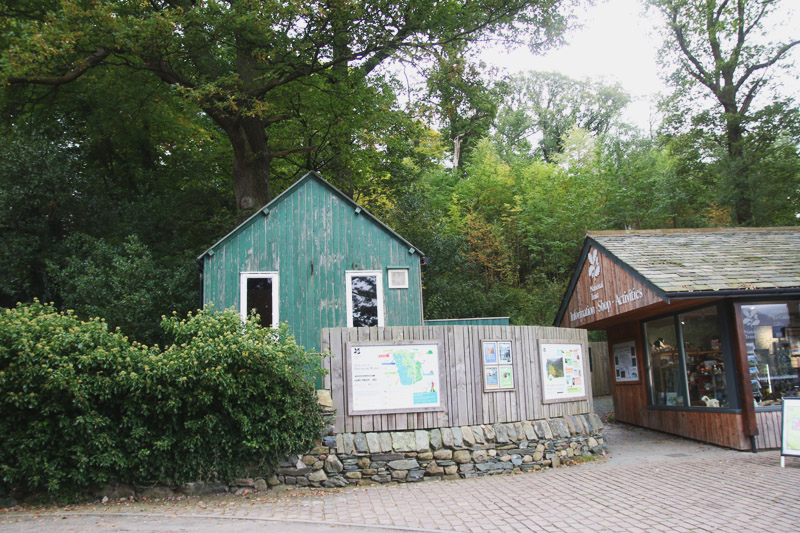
[601, 370]
[461, 379]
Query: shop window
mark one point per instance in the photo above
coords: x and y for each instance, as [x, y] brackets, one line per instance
[772, 335]
[259, 295]
[705, 364]
[364, 298]
[665, 362]
[687, 361]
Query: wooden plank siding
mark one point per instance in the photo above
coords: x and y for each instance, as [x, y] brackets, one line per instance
[311, 237]
[463, 398]
[769, 429]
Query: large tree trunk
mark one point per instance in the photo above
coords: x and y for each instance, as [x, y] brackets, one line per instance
[251, 163]
[738, 170]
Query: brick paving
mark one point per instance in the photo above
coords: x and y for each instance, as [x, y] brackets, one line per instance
[711, 490]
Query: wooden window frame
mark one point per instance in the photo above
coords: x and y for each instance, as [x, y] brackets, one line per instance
[348, 277]
[275, 277]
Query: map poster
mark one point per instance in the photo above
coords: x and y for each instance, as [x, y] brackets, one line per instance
[562, 370]
[626, 364]
[790, 434]
[401, 376]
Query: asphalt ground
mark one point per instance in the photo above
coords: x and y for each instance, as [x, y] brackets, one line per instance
[648, 482]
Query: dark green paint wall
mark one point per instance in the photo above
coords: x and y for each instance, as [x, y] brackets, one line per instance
[313, 223]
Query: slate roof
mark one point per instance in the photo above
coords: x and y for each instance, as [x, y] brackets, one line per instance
[730, 259]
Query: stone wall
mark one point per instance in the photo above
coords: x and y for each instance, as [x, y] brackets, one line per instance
[449, 453]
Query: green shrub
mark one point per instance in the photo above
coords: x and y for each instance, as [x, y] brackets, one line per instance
[83, 406]
[62, 382]
[234, 398]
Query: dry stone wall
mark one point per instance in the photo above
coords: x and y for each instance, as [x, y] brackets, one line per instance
[450, 453]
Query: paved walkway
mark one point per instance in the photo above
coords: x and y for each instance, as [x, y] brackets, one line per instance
[650, 482]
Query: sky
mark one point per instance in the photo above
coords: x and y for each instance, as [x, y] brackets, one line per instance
[617, 43]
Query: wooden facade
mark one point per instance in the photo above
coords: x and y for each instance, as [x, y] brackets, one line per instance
[465, 402]
[605, 291]
[311, 235]
[631, 405]
[624, 280]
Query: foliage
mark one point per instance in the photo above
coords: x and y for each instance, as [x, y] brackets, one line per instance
[122, 283]
[721, 49]
[83, 406]
[243, 63]
[546, 105]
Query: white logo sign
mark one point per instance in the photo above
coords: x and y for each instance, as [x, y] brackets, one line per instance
[594, 264]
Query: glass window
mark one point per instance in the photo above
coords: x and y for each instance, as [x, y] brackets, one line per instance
[259, 295]
[772, 334]
[705, 364]
[364, 299]
[665, 365]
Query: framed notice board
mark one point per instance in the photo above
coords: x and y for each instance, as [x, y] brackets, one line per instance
[626, 363]
[790, 428]
[497, 360]
[562, 371]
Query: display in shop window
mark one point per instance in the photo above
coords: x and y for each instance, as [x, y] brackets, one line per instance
[772, 339]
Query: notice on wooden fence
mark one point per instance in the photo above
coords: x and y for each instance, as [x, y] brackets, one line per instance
[562, 371]
[396, 377]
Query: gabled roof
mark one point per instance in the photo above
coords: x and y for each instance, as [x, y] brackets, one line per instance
[693, 263]
[296, 185]
[730, 259]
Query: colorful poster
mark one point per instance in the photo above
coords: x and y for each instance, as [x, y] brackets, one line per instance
[489, 353]
[562, 371]
[790, 444]
[504, 351]
[403, 377]
[492, 381]
[507, 377]
[626, 364]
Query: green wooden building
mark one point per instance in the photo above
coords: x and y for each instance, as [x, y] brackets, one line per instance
[314, 258]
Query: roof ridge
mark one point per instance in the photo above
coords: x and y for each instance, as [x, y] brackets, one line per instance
[683, 231]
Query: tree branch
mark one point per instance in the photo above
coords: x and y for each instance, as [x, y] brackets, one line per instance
[766, 64]
[90, 62]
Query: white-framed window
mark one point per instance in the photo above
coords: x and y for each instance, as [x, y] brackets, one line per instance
[259, 292]
[364, 292]
[398, 278]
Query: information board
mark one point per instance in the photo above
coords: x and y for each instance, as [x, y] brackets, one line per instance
[396, 377]
[790, 429]
[498, 365]
[626, 364]
[561, 367]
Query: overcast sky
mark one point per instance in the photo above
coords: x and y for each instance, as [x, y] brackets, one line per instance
[618, 44]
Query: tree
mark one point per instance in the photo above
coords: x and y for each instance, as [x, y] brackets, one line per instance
[721, 46]
[549, 105]
[462, 98]
[237, 60]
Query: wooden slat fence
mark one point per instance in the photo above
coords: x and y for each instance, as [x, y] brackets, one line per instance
[601, 370]
[461, 380]
[769, 429]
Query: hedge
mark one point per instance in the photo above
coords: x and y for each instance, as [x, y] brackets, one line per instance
[83, 406]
